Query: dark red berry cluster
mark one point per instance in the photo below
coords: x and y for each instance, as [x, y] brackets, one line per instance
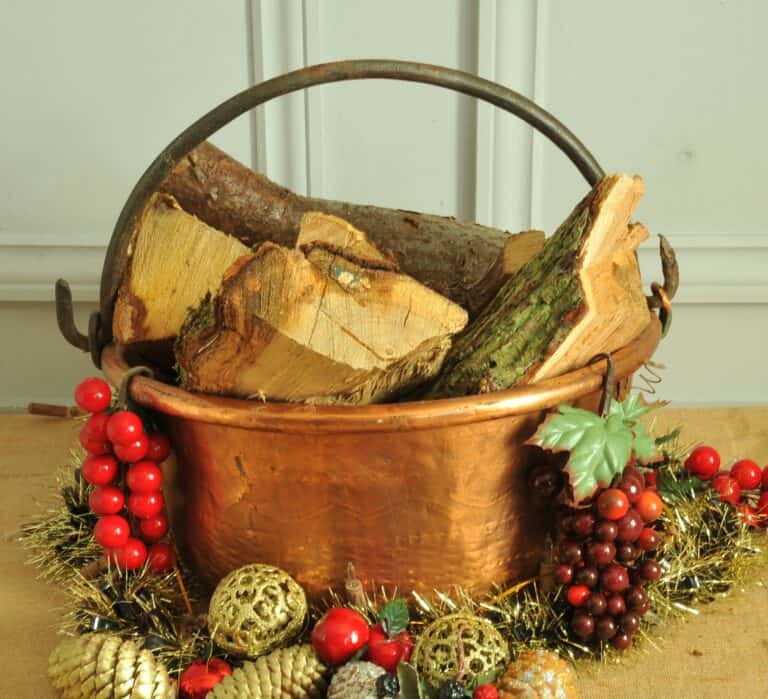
[122, 455]
[604, 563]
[745, 485]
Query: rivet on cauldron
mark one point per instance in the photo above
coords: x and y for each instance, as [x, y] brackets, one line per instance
[545, 480]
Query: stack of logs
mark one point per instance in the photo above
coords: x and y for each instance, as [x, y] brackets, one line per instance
[255, 292]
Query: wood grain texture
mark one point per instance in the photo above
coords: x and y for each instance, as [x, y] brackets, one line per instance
[174, 260]
[332, 324]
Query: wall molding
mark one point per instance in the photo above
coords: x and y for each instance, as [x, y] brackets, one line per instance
[716, 267]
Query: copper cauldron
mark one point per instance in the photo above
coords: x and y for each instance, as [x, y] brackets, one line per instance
[419, 496]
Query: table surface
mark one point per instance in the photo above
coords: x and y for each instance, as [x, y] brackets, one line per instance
[723, 651]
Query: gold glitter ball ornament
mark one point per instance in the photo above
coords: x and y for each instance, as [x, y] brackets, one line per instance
[459, 644]
[104, 665]
[255, 609]
[287, 673]
[538, 674]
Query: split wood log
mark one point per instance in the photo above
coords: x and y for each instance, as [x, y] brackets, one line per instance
[447, 255]
[581, 295]
[316, 326]
[173, 261]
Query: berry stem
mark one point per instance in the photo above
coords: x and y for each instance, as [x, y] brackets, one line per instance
[183, 589]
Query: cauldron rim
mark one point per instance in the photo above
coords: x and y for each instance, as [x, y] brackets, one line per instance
[383, 417]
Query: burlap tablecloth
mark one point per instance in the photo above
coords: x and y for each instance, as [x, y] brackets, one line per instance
[722, 652]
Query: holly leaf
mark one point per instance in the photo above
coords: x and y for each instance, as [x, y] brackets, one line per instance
[410, 686]
[394, 617]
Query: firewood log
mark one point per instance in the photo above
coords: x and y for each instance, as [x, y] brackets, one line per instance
[449, 256]
[581, 295]
[329, 323]
[173, 261]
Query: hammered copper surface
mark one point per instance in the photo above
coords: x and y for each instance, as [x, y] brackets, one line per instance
[420, 496]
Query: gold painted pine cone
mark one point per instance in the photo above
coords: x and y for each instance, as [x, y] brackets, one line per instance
[287, 673]
[538, 674]
[104, 666]
[255, 609]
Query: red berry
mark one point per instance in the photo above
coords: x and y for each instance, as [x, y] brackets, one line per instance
[606, 628]
[161, 558]
[616, 605]
[93, 434]
[612, 504]
[606, 530]
[631, 488]
[587, 576]
[728, 488]
[154, 528]
[106, 500]
[339, 634]
[762, 506]
[765, 478]
[577, 595]
[112, 531]
[144, 477]
[99, 470]
[650, 479]
[159, 447]
[135, 451]
[388, 652]
[649, 505]
[201, 677]
[650, 570]
[124, 427]
[145, 505]
[615, 578]
[95, 427]
[93, 394]
[571, 552]
[486, 691]
[635, 597]
[747, 474]
[601, 553]
[649, 539]
[583, 625]
[622, 641]
[131, 555]
[629, 622]
[597, 605]
[627, 553]
[703, 463]
[564, 574]
[583, 523]
[630, 527]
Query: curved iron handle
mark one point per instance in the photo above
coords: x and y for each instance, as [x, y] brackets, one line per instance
[458, 81]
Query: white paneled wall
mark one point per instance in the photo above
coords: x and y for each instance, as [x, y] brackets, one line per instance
[673, 91]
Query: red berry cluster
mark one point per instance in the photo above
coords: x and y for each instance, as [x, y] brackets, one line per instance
[603, 561]
[122, 453]
[745, 485]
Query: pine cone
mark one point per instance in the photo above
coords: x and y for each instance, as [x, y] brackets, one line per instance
[104, 666]
[287, 673]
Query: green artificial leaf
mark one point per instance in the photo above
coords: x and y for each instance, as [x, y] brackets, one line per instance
[484, 678]
[394, 617]
[645, 447]
[410, 686]
[600, 447]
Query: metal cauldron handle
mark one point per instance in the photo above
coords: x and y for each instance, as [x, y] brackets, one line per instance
[100, 326]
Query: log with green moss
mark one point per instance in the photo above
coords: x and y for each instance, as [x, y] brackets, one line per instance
[581, 295]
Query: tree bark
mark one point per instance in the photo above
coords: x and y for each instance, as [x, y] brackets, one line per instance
[581, 295]
[447, 255]
[318, 326]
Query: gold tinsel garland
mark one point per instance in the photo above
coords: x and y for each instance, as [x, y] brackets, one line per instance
[707, 550]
